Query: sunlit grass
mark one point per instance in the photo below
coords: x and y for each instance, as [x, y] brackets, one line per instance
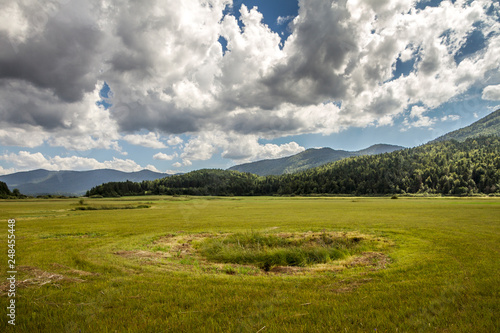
[118, 270]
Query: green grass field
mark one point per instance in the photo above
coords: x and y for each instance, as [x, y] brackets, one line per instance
[136, 265]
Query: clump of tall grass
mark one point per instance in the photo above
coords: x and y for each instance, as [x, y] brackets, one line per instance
[267, 251]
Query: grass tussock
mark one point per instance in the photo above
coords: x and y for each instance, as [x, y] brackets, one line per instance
[267, 251]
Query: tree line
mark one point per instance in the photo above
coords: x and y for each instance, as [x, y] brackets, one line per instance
[5, 193]
[447, 168]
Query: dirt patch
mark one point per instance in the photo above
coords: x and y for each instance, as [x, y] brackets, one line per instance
[287, 270]
[179, 246]
[37, 277]
[374, 260]
[313, 236]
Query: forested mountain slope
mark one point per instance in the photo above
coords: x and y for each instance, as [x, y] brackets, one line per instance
[199, 182]
[307, 159]
[448, 168]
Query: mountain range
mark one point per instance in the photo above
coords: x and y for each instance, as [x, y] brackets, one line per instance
[449, 167]
[440, 168]
[41, 182]
[311, 158]
[307, 159]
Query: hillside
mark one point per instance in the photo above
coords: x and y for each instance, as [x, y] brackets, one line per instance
[448, 168]
[39, 182]
[199, 182]
[307, 159]
[489, 125]
[4, 190]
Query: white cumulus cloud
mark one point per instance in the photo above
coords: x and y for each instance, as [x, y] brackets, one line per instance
[174, 140]
[236, 147]
[149, 140]
[418, 119]
[451, 117]
[8, 171]
[492, 93]
[28, 161]
[169, 76]
[164, 157]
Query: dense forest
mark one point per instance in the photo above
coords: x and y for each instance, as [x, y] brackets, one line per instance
[200, 182]
[447, 168]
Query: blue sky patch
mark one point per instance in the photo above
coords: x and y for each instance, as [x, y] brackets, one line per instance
[104, 94]
[404, 68]
[422, 4]
[474, 43]
[223, 43]
[272, 10]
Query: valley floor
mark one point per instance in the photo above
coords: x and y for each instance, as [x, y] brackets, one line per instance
[132, 265]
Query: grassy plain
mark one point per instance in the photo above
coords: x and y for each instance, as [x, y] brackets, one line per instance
[436, 268]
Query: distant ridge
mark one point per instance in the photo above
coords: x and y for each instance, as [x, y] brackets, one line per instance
[489, 125]
[307, 159]
[41, 182]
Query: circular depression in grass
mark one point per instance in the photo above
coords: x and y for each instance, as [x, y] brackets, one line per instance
[288, 249]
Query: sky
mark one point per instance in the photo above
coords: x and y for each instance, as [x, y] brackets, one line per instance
[174, 86]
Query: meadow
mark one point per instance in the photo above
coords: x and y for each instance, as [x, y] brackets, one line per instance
[174, 264]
